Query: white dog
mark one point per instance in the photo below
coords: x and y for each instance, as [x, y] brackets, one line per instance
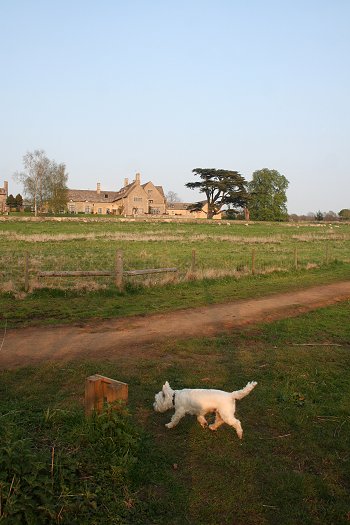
[199, 402]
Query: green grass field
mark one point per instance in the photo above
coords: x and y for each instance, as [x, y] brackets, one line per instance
[221, 249]
[223, 264]
[292, 466]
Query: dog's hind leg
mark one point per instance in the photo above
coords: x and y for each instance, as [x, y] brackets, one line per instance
[202, 421]
[179, 414]
[230, 419]
[217, 423]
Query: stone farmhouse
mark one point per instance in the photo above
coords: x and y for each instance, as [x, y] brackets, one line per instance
[132, 199]
[182, 209]
[3, 196]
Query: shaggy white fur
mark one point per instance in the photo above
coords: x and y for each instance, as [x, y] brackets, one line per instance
[199, 402]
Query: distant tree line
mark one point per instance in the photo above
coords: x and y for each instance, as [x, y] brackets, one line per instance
[319, 216]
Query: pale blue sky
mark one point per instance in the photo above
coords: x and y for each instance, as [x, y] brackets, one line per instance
[162, 87]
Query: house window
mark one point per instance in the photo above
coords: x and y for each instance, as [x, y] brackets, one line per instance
[137, 199]
[106, 195]
[99, 211]
[71, 208]
[87, 209]
[154, 211]
[150, 201]
[149, 192]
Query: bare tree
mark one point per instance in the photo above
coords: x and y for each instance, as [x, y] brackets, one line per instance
[171, 196]
[44, 181]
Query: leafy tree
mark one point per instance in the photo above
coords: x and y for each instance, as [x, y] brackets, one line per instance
[19, 200]
[221, 187]
[57, 191]
[319, 216]
[344, 214]
[268, 200]
[11, 201]
[44, 181]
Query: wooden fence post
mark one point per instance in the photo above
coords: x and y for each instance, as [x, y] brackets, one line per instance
[295, 258]
[119, 270]
[26, 272]
[253, 261]
[327, 254]
[93, 395]
[100, 389]
[193, 265]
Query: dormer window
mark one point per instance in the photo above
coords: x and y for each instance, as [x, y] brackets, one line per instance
[106, 195]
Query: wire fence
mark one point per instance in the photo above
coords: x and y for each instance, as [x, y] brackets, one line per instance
[78, 269]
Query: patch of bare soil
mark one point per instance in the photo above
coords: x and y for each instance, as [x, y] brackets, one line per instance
[117, 338]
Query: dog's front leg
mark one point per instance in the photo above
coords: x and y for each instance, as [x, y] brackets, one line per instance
[179, 414]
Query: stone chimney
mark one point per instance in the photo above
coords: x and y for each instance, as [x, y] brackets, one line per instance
[137, 178]
[126, 182]
[98, 189]
[6, 187]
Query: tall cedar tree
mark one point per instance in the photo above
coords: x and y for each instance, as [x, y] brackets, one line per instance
[221, 187]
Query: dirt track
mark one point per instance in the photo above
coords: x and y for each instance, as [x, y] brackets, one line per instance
[110, 338]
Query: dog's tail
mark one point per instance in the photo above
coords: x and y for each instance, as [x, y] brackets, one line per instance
[240, 394]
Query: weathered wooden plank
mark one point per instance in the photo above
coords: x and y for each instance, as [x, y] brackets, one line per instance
[97, 273]
[78, 273]
[151, 270]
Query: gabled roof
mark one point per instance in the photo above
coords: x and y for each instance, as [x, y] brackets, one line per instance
[161, 191]
[125, 190]
[92, 195]
[103, 196]
[106, 195]
[159, 188]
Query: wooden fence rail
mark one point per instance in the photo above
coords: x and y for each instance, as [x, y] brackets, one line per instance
[118, 273]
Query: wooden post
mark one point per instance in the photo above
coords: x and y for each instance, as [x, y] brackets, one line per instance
[295, 258]
[119, 270]
[253, 261]
[93, 395]
[193, 265]
[26, 272]
[327, 254]
[100, 390]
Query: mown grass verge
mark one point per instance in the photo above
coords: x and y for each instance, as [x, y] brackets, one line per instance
[291, 467]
